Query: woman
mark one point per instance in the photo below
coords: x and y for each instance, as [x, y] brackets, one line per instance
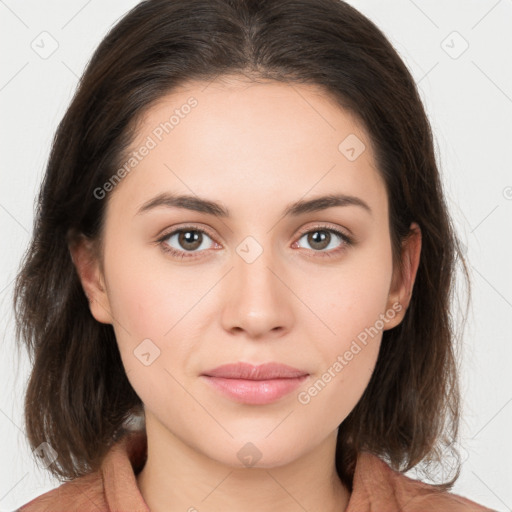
[242, 240]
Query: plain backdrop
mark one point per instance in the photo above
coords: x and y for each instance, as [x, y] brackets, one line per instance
[460, 54]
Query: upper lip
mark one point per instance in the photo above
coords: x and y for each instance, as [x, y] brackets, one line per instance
[241, 370]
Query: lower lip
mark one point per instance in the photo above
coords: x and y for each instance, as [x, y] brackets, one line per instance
[255, 392]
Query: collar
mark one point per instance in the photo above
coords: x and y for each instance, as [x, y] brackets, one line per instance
[376, 487]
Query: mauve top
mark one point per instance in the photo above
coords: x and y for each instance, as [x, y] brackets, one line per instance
[113, 488]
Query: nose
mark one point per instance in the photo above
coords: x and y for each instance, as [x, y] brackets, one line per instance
[258, 300]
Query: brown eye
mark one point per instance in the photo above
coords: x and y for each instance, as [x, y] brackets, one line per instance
[321, 238]
[190, 240]
[185, 242]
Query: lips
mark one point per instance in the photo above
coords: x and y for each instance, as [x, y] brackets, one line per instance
[256, 385]
[247, 371]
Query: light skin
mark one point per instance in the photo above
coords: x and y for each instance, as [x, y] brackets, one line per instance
[255, 149]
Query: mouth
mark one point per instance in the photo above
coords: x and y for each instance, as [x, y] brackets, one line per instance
[257, 385]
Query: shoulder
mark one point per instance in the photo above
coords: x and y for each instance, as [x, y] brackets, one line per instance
[85, 494]
[112, 487]
[376, 486]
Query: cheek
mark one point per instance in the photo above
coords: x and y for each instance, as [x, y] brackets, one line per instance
[149, 309]
[354, 297]
[353, 308]
[148, 298]
[348, 359]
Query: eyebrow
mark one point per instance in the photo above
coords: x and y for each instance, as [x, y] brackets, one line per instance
[295, 209]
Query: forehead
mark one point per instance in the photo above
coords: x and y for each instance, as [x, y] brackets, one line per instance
[248, 140]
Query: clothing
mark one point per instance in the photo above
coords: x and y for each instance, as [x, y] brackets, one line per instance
[113, 488]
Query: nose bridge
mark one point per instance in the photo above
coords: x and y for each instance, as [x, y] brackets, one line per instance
[257, 297]
[252, 269]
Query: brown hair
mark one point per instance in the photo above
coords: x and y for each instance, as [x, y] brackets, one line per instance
[78, 396]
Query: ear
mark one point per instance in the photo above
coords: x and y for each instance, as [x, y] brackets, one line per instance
[86, 261]
[402, 283]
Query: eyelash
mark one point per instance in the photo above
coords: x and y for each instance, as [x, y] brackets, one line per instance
[347, 241]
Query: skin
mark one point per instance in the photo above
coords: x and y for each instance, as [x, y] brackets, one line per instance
[255, 148]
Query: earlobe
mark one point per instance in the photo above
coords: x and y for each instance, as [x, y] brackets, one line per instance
[403, 278]
[87, 265]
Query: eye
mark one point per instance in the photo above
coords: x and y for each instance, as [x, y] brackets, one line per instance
[188, 240]
[321, 237]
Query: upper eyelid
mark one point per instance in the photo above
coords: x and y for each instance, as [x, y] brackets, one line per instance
[173, 231]
[325, 226]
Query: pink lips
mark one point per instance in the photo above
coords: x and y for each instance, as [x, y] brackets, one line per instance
[250, 384]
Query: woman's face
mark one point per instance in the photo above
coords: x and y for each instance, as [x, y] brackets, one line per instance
[266, 281]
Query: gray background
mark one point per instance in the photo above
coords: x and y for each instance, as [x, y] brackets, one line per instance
[460, 54]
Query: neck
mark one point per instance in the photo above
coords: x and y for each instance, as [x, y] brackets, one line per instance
[178, 477]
